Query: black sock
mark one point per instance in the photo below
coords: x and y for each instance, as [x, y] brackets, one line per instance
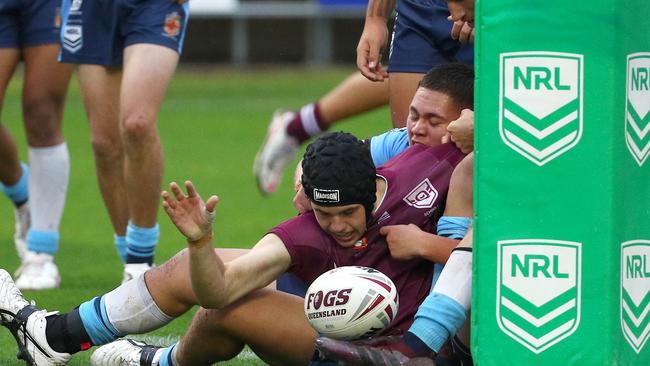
[419, 348]
[66, 333]
[135, 259]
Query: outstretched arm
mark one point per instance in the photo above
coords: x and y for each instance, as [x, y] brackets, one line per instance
[217, 284]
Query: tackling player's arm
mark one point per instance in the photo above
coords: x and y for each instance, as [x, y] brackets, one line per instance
[409, 241]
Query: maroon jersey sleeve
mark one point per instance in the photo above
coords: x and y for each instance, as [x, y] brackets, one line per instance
[308, 246]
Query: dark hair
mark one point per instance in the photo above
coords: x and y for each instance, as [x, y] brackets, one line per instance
[338, 170]
[454, 79]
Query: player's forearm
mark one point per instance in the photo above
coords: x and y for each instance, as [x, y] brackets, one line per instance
[380, 9]
[207, 274]
[435, 248]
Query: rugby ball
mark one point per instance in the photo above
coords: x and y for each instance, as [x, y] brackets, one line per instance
[351, 303]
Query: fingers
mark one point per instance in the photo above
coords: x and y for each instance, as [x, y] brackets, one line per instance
[191, 191]
[176, 190]
[445, 138]
[211, 203]
[466, 33]
[385, 230]
[456, 29]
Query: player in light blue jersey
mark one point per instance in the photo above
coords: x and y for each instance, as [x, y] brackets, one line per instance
[127, 52]
[29, 32]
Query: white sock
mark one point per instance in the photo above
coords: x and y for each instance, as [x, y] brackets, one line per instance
[48, 184]
[309, 121]
[131, 309]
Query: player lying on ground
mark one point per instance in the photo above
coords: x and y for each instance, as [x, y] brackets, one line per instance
[442, 97]
[438, 318]
[307, 246]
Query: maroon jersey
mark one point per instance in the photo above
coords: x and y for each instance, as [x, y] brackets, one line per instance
[416, 188]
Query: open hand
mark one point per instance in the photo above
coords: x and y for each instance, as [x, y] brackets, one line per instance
[192, 216]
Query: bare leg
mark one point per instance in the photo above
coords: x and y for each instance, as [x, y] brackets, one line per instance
[353, 96]
[271, 323]
[402, 90]
[147, 72]
[44, 90]
[100, 89]
[10, 170]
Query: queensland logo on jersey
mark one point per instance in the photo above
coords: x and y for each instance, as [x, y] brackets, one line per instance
[635, 292]
[540, 103]
[172, 25]
[538, 291]
[422, 196]
[637, 106]
[72, 38]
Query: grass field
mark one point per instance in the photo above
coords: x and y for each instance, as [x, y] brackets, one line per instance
[211, 124]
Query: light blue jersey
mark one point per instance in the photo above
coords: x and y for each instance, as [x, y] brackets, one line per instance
[388, 145]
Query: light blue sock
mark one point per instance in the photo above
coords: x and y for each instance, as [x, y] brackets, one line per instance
[438, 318]
[18, 193]
[95, 320]
[453, 227]
[141, 243]
[43, 241]
[120, 245]
[167, 359]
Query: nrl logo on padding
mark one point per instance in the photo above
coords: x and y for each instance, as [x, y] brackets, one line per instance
[635, 292]
[637, 106]
[538, 291]
[422, 196]
[540, 103]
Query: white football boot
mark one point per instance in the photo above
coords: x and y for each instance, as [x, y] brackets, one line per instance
[134, 270]
[126, 352]
[37, 272]
[278, 150]
[23, 221]
[27, 324]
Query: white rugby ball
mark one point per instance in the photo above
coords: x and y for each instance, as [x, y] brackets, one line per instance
[351, 303]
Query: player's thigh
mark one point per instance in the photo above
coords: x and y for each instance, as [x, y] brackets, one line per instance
[147, 71]
[44, 75]
[273, 324]
[100, 91]
[9, 58]
[402, 89]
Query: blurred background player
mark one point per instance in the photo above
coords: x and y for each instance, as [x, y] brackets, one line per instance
[127, 53]
[421, 40]
[29, 31]
[289, 129]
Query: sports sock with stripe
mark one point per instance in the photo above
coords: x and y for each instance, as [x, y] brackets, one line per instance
[48, 184]
[141, 243]
[307, 123]
[18, 192]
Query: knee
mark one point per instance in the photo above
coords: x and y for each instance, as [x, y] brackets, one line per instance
[107, 149]
[137, 126]
[42, 115]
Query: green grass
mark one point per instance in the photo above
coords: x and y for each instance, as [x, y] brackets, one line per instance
[211, 123]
